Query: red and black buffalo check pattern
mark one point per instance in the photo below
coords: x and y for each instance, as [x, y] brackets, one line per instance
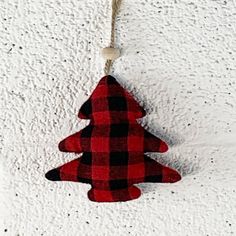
[113, 147]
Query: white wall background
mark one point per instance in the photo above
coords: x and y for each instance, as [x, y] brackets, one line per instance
[178, 60]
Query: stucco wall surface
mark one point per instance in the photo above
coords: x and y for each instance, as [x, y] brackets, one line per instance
[178, 60]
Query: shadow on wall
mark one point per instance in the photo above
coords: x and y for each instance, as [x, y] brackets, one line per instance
[183, 166]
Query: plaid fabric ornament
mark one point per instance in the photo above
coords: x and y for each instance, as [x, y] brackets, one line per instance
[112, 147]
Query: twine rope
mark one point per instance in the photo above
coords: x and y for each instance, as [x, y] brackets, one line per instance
[115, 8]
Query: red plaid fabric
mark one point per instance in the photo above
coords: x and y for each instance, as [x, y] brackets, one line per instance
[113, 147]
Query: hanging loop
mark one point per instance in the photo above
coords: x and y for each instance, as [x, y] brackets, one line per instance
[111, 53]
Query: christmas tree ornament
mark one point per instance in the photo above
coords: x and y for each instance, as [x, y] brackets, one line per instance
[113, 145]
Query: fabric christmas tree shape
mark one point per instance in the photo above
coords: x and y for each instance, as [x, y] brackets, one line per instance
[113, 147]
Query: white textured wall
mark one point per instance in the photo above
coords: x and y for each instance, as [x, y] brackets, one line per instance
[178, 60]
